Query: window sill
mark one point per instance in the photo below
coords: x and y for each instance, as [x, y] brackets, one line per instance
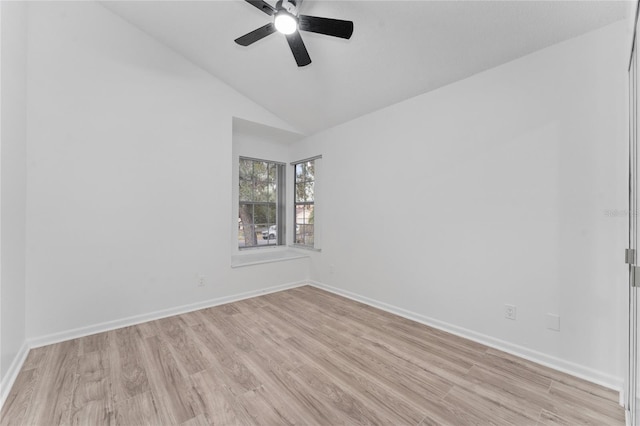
[301, 247]
[238, 261]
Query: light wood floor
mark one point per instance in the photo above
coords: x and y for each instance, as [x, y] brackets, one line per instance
[301, 356]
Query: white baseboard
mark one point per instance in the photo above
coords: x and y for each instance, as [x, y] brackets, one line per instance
[583, 372]
[12, 373]
[138, 319]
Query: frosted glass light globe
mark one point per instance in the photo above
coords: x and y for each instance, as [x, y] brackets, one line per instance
[285, 23]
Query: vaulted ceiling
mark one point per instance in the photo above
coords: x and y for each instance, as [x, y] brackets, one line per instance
[399, 49]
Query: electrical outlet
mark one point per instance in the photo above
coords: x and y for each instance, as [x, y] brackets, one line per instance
[332, 269]
[510, 312]
[200, 280]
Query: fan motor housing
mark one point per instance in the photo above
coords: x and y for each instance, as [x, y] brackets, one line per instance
[290, 6]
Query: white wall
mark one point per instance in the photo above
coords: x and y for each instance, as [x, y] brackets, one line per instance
[493, 191]
[129, 188]
[13, 188]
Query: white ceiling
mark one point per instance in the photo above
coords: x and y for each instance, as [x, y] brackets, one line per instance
[399, 49]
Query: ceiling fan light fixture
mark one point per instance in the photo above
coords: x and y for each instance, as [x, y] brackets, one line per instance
[288, 21]
[285, 23]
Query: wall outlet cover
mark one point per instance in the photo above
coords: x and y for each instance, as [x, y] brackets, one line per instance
[510, 312]
[553, 322]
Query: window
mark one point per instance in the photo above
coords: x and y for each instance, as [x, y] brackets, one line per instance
[261, 208]
[304, 218]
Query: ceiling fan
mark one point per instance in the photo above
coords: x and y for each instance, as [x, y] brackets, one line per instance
[287, 20]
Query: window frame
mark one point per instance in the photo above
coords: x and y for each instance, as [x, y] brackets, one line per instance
[305, 203]
[280, 203]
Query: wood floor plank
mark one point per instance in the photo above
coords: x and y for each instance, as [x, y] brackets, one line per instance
[148, 329]
[265, 409]
[491, 412]
[545, 375]
[139, 410]
[600, 409]
[17, 403]
[378, 333]
[58, 375]
[506, 362]
[239, 378]
[375, 392]
[128, 369]
[526, 397]
[248, 306]
[191, 319]
[302, 357]
[307, 405]
[225, 325]
[199, 420]
[374, 334]
[219, 404]
[168, 384]
[92, 402]
[94, 342]
[350, 405]
[268, 370]
[517, 397]
[551, 419]
[186, 351]
[399, 351]
[305, 323]
[36, 357]
[422, 397]
[270, 344]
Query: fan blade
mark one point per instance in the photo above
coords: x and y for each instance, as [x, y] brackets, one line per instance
[256, 35]
[327, 26]
[263, 6]
[297, 48]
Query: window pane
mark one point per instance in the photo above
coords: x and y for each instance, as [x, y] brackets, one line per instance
[272, 213]
[299, 194]
[262, 214]
[304, 196]
[304, 234]
[241, 242]
[304, 192]
[258, 203]
[298, 238]
[304, 225]
[273, 172]
[261, 191]
[311, 170]
[246, 226]
[261, 170]
[308, 191]
[308, 215]
[307, 235]
[271, 193]
[299, 172]
[246, 190]
[305, 171]
[246, 169]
